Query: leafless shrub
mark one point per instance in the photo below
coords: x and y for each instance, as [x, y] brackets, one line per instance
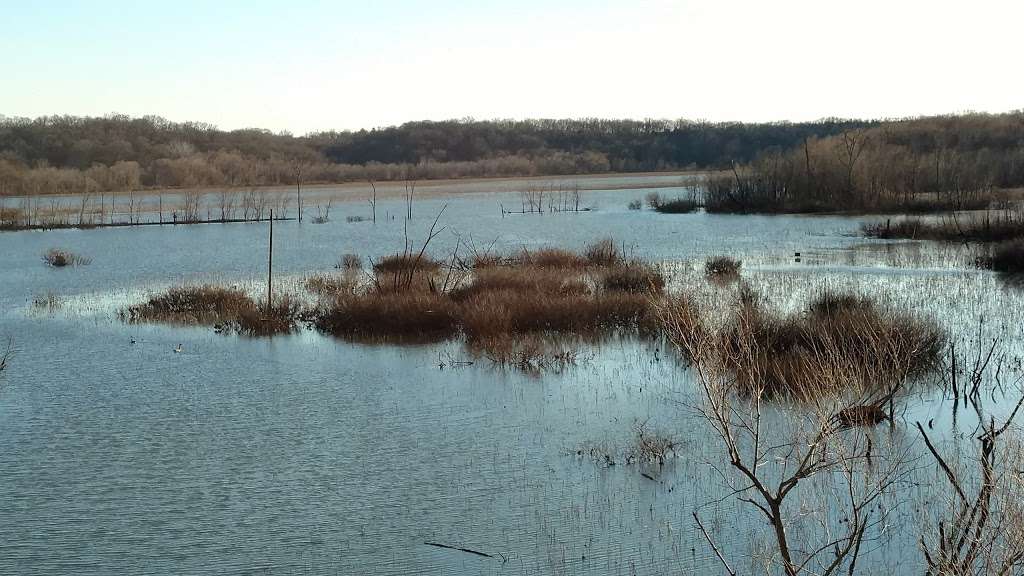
[58, 258]
[352, 262]
[770, 465]
[722, 267]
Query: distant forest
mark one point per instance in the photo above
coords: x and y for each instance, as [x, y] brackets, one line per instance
[921, 165]
[66, 154]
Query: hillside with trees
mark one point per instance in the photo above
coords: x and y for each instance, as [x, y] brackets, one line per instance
[67, 154]
[921, 165]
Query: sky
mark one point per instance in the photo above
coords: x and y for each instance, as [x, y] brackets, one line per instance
[305, 65]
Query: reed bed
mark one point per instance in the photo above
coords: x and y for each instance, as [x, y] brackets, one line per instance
[226, 309]
[1001, 226]
[410, 315]
[547, 291]
[841, 343]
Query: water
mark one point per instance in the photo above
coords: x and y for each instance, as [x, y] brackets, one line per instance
[309, 455]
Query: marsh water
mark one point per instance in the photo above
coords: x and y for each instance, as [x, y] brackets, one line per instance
[305, 454]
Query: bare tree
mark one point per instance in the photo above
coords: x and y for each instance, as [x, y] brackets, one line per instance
[818, 448]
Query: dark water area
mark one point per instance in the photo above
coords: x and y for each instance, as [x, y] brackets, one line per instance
[305, 454]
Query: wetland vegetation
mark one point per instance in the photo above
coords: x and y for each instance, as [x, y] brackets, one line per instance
[688, 367]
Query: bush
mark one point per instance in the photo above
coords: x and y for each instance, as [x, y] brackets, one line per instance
[722, 266]
[349, 262]
[61, 258]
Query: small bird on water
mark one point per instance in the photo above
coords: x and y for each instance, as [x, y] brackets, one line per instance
[178, 349]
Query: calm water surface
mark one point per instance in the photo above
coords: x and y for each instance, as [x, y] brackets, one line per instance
[308, 455]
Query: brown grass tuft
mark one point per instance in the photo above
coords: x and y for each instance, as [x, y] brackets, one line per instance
[842, 343]
[227, 309]
[405, 263]
[329, 285]
[407, 315]
[634, 278]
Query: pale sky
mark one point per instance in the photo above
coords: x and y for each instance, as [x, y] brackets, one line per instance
[308, 65]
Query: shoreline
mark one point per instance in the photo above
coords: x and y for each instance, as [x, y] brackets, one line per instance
[396, 188]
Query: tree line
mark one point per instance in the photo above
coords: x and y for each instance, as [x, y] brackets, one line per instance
[925, 164]
[70, 154]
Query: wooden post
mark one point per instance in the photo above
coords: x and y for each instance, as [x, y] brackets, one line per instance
[270, 263]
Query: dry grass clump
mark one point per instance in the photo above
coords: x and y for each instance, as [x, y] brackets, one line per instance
[330, 285]
[603, 253]
[841, 343]
[405, 263]
[634, 278]
[60, 258]
[547, 258]
[227, 309]
[281, 318]
[406, 315]
[542, 281]
[722, 267]
[349, 262]
[531, 294]
[508, 312]
[600, 254]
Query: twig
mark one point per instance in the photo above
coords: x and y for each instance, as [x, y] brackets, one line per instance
[713, 547]
[466, 550]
